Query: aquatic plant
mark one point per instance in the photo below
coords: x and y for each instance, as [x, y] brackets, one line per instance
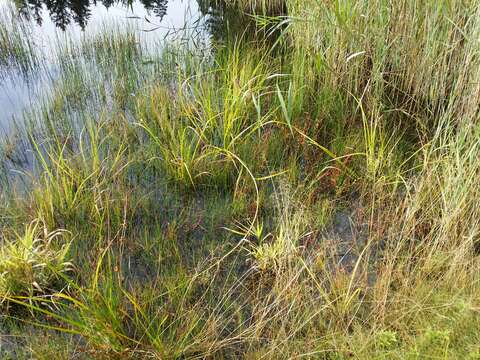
[312, 194]
[16, 44]
[33, 262]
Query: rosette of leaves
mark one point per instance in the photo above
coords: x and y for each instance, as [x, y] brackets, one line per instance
[33, 263]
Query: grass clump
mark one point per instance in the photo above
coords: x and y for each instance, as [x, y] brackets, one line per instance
[311, 195]
[33, 263]
[200, 128]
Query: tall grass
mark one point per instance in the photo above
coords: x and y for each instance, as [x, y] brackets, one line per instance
[412, 56]
[314, 200]
[258, 6]
[16, 45]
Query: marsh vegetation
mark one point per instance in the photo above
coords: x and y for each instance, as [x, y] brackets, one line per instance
[304, 185]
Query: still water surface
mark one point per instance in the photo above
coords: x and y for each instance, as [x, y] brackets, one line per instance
[52, 20]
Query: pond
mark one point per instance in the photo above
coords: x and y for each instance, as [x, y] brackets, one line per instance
[45, 25]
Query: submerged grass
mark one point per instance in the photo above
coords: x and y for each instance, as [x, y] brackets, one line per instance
[316, 199]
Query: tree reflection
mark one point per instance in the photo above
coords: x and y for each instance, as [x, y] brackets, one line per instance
[228, 22]
[222, 21]
[65, 12]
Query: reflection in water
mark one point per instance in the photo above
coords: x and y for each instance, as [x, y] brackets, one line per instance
[221, 19]
[64, 12]
[228, 22]
[202, 21]
[51, 24]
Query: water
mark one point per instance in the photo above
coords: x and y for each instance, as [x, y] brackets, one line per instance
[63, 14]
[50, 22]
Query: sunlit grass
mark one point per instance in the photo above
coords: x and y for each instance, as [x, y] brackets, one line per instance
[316, 200]
[33, 262]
